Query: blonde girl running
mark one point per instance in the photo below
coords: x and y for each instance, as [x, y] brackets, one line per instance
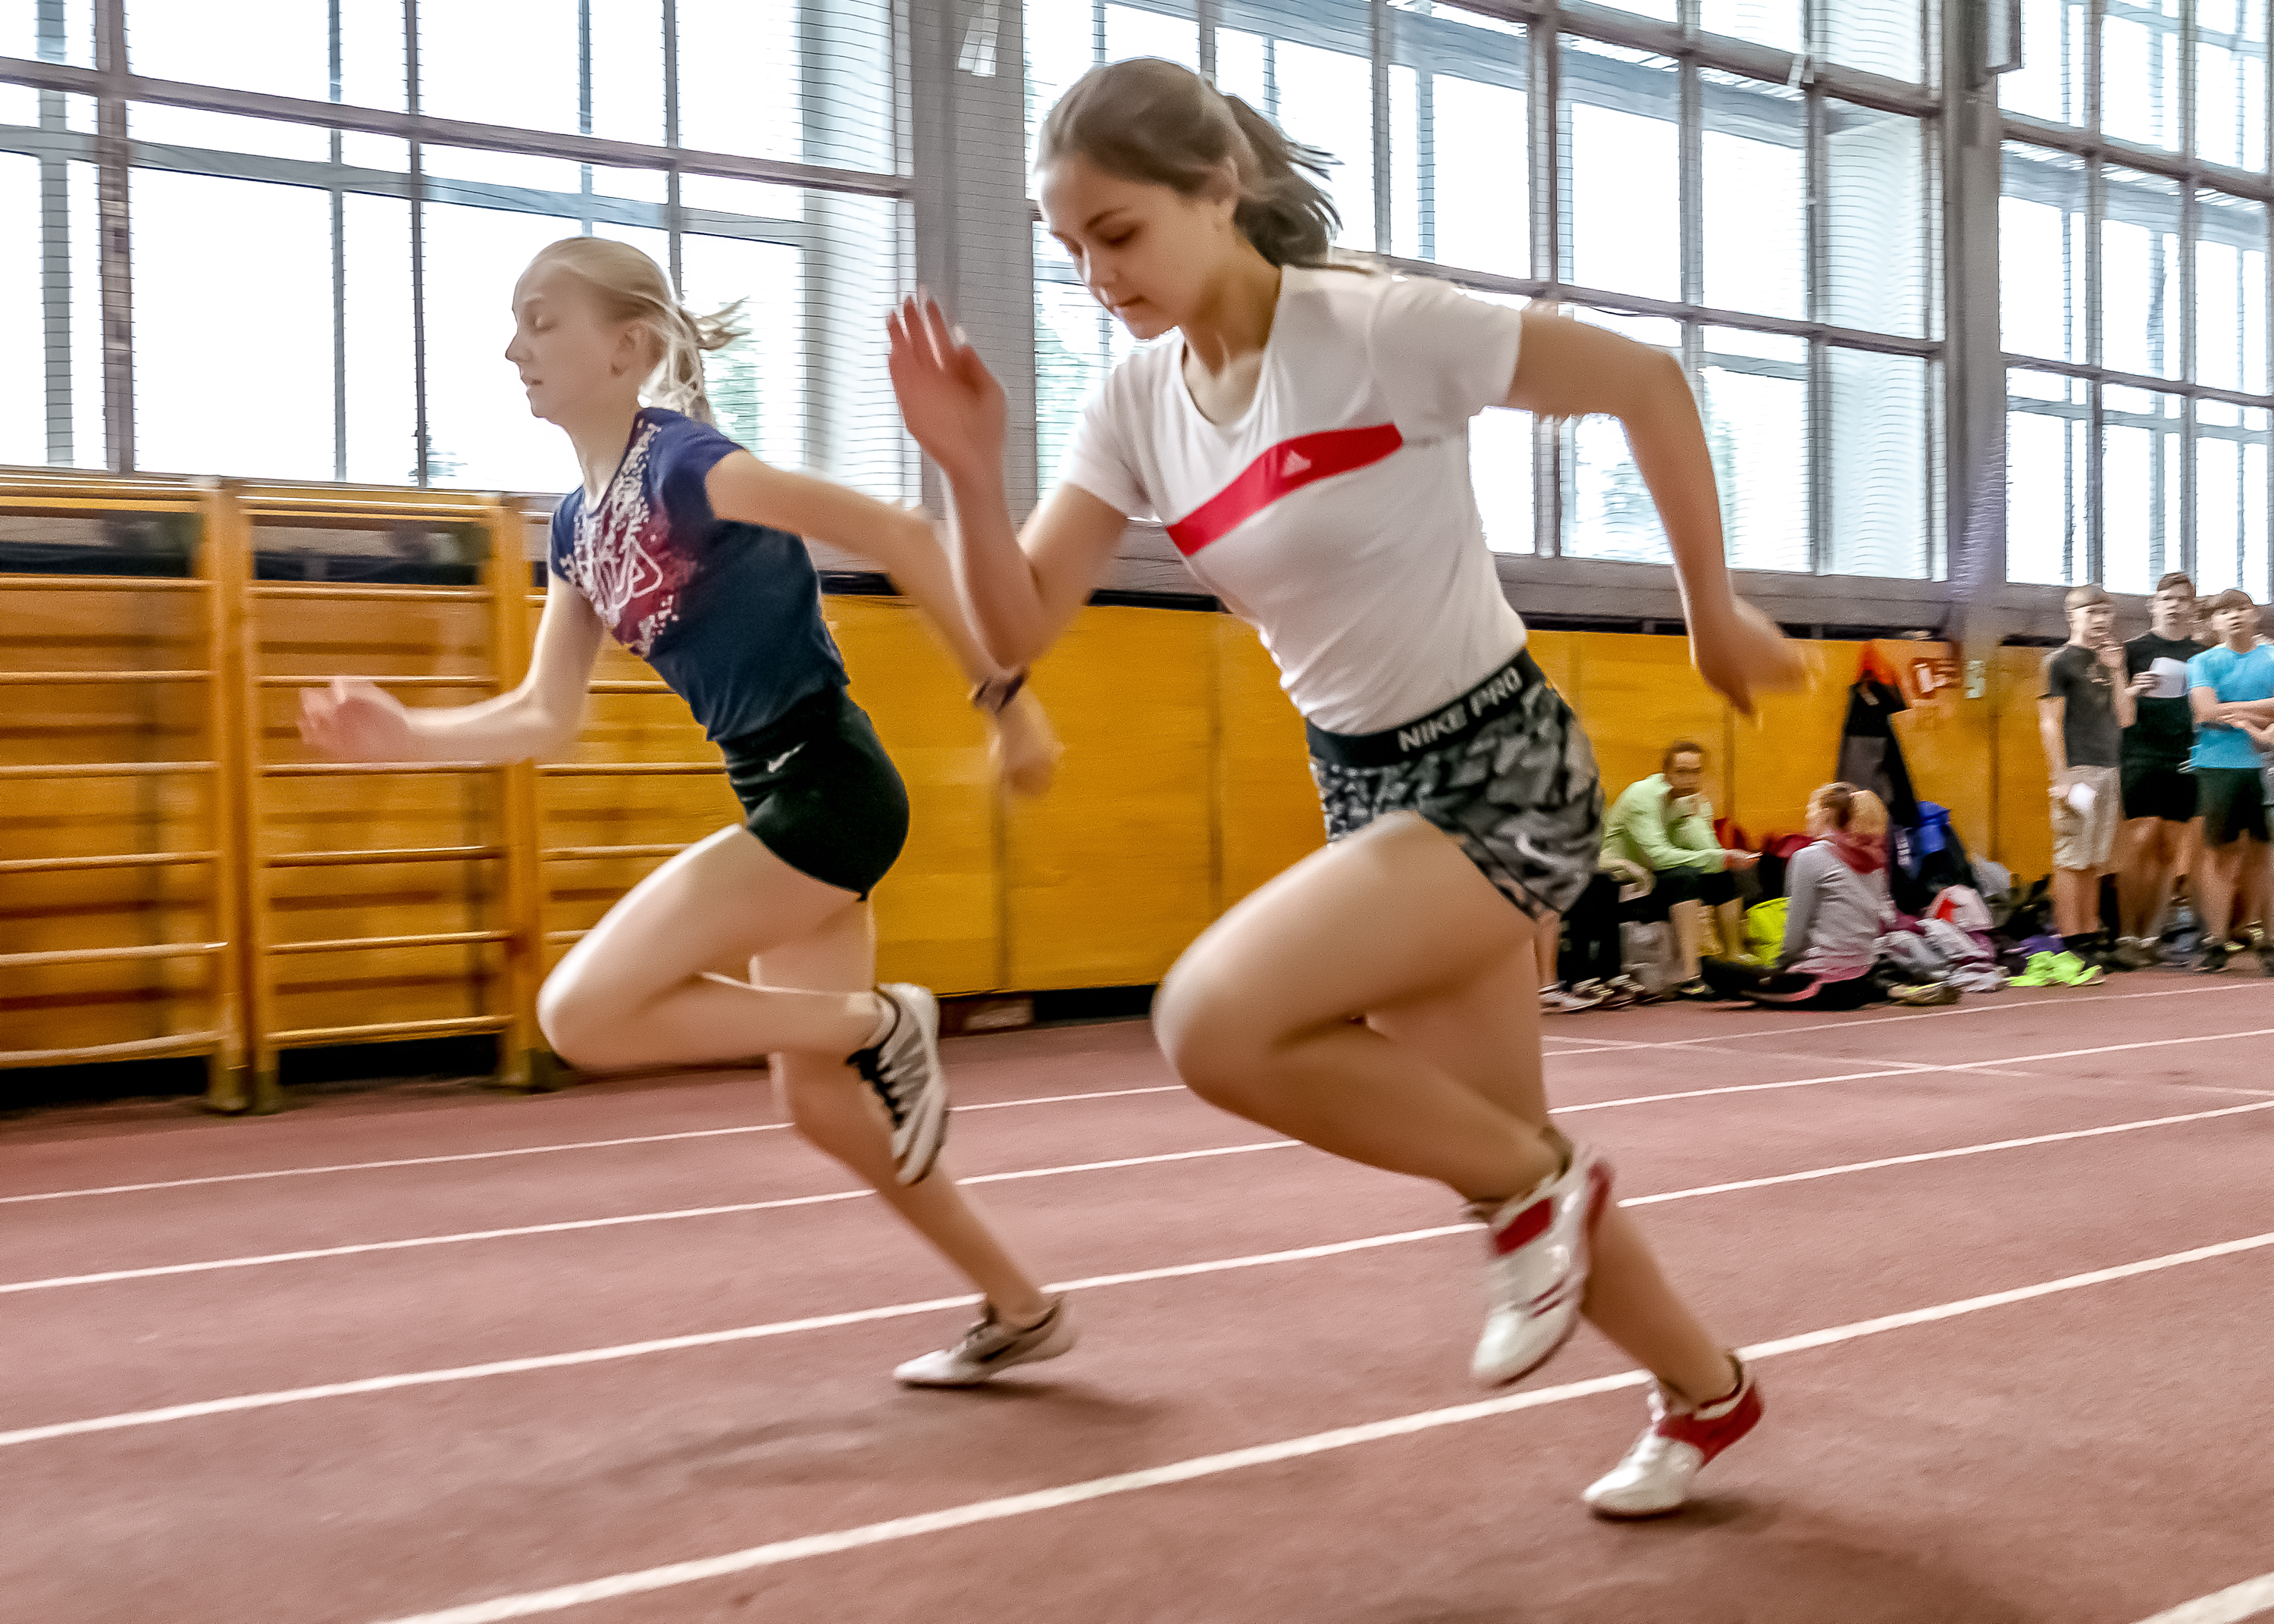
[687, 549]
[1304, 438]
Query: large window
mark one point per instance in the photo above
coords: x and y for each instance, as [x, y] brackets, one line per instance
[311, 301]
[1780, 239]
[2134, 275]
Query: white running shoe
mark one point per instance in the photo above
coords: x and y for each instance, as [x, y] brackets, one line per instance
[1570, 1001]
[904, 1069]
[1655, 1476]
[990, 1347]
[1542, 1247]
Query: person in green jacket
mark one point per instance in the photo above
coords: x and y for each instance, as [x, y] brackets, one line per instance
[1665, 824]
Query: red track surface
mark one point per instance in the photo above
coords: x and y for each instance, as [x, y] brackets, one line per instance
[2091, 1455]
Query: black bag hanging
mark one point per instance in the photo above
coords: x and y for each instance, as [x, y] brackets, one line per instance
[1870, 757]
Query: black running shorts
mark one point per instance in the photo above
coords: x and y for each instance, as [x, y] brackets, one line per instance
[820, 792]
[1504, 770]
[2234, 802]
[2154, 790]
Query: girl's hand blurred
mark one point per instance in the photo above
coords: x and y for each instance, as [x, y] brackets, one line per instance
[1025, 748]
[1742, 650]
[951, 403]
[356, 720]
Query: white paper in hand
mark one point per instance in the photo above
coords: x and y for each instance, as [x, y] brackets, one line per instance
[2170, 678]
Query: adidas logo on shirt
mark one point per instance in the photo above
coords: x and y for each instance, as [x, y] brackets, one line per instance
[1296, 463]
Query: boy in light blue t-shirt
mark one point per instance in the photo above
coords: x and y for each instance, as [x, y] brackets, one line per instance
[2231, 689]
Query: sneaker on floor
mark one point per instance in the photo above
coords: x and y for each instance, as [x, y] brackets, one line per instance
[1620, 992]
[2213, 962]
[1926, 994]
[1566, 1001]
[2136, 953]
[990, 1347]
[2037, 972]
[1696, 988]
[904, 1070]
[1655, 1478]
[1542, 1247]
[2071, 971]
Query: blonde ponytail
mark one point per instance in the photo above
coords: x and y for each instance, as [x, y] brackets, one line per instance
[633, 288]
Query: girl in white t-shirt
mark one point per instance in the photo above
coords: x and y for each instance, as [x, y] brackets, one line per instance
[1305, 441]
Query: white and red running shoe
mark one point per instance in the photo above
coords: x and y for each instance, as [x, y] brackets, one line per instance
[1542, 1244]
[1655, 1476]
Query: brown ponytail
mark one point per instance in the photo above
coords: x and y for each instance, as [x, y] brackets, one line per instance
[1160, 123]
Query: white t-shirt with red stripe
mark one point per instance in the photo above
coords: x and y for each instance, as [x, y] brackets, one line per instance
[1335, 514]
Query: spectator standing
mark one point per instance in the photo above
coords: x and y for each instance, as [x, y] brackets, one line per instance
[2158, 769]
[2083, 710]
[1665, 824]
[2231, 689]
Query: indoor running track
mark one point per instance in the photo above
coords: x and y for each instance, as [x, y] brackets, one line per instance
[623, 1353]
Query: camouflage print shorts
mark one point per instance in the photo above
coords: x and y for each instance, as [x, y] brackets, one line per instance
[1504, 770]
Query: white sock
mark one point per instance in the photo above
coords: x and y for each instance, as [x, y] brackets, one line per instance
[888, 1016]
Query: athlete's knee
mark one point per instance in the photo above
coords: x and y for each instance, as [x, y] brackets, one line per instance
[578, 1025]
[1215, 1044]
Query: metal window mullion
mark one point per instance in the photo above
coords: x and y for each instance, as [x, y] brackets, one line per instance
[2094, 450]
[1550, 242]
[674, 219]
[422, 438]
[584, 103]
[1204, 18]
[1690, 145]
[116, 241]
[339, 211]
[2182, 557]
[56, 249]
[1690, 187]
[1425, 163]
[2187, 142]
[1378, 35]
[1817, 294]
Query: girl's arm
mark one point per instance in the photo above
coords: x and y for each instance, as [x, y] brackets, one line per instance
[904, 546]
[900, 543]
[356, 720]
[1567, 369]
[1021, 590]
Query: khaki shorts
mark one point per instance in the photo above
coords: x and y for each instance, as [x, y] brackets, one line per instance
[2087, 840]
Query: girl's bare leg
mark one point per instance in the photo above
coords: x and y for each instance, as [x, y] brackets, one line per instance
[1443, 1079]
[636, 992]
[1548, 936]
[840, 1113]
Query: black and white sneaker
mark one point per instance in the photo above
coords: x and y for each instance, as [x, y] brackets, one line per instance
[904, 1070]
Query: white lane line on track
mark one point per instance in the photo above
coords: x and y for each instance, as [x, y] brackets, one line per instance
[776, 1554]
[2246, 1600]
[1909, 1068]
[1584, 1046]
[897, 1311]
[567, 1226]
[539, 1150]
[571, 1225]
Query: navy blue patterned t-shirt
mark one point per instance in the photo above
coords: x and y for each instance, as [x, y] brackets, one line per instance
[730, 615]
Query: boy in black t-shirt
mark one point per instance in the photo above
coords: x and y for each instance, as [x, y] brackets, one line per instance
[2158, 782]
[2082, 713]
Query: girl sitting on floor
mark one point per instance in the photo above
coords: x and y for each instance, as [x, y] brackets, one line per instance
[1838, 908]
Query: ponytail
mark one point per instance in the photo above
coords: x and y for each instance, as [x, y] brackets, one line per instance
[633, 288]
[1160, 123]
